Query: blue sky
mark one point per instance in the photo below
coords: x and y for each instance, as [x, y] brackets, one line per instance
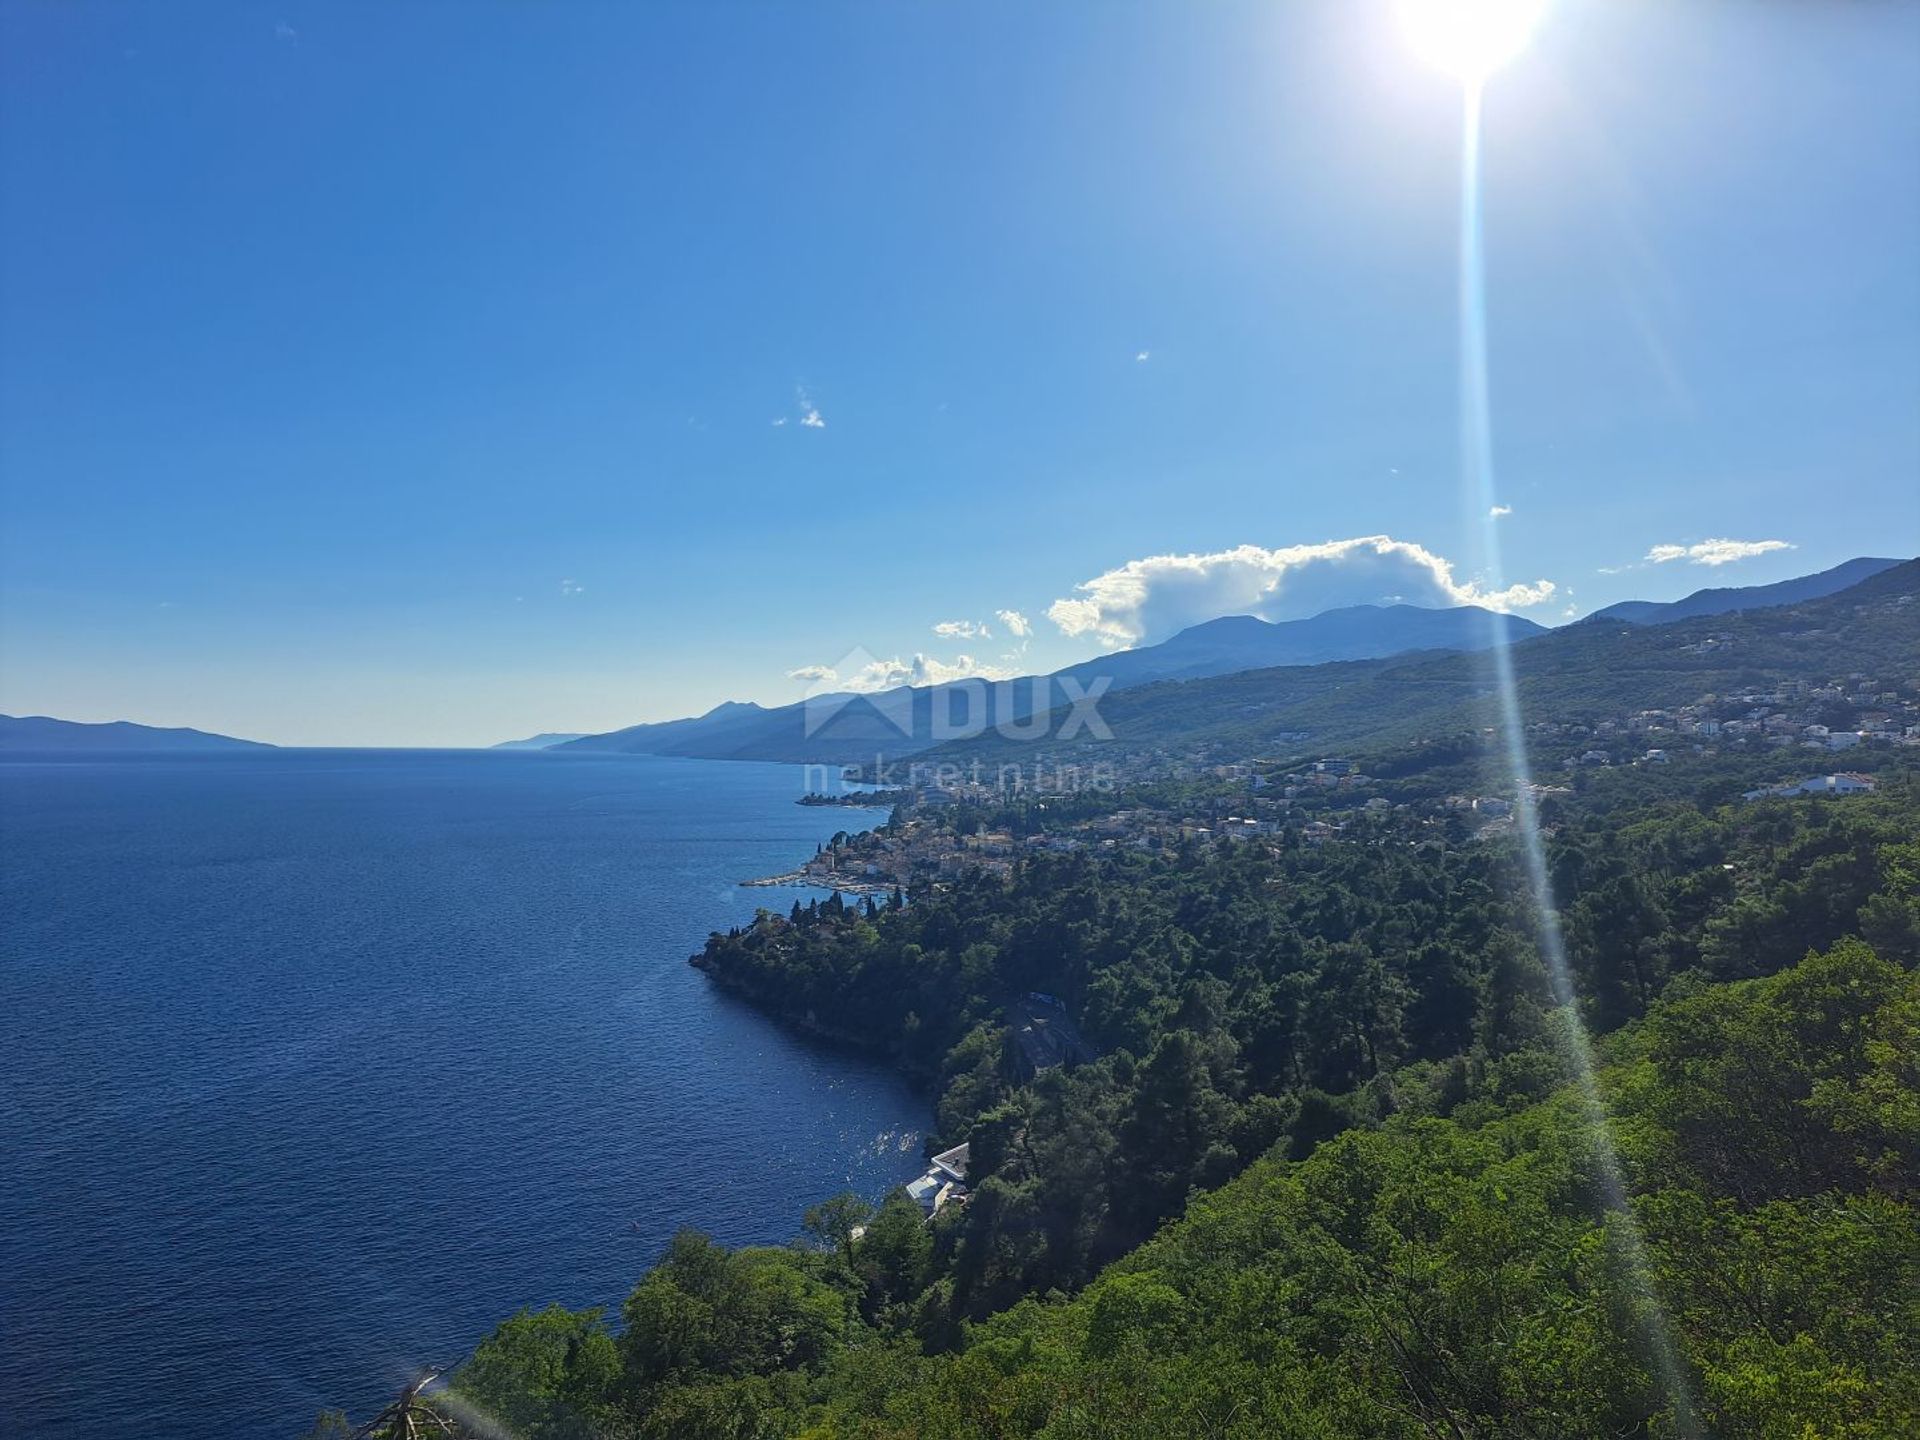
[377, 374]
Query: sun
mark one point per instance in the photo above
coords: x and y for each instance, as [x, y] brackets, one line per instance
[1469, 38]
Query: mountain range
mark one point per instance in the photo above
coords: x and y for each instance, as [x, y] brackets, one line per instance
[1575, 674]
[1355, 632]
[849, 727]
[42, 732]
[908, 720]
[1348, 672]
[1725, 600]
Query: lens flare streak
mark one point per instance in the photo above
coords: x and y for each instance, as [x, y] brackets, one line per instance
[1481, 498]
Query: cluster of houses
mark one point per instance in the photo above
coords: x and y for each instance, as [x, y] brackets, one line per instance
[908, 854]
[1792, 713]
[918, 851]
[1859, 710]
[924, 849]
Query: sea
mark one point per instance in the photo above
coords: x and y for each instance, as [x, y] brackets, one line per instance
[315, 1065]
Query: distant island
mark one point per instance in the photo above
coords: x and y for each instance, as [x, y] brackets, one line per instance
[544, 741]
[43, 732]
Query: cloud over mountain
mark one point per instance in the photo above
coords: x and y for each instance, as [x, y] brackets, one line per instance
[1146, 600]
[863, 673]
[1715, 552]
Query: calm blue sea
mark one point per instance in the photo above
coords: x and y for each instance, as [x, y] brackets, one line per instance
[315, 1064]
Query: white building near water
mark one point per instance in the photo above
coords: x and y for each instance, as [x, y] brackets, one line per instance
[944, 1182]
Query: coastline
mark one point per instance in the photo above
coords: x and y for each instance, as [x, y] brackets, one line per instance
[799, 879]
[858, 799]
[712, 1138]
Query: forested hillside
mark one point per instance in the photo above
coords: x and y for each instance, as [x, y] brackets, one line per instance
[1466, 1276]
[1332, 1173]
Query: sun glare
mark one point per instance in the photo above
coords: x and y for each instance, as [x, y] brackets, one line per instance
[1469, 38]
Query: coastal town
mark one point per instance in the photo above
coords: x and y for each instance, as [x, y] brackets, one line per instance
[945, 827]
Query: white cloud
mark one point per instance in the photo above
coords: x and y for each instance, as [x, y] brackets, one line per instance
[808, 412]
[962, 630]
[1715, 552]
[1017, 624]
[929, 671]
[1499, 512]
[1148, 600]
[1142, 357]
[571, 587]
[891, 673]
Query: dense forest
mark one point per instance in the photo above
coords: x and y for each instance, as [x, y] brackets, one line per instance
[1337, 1168]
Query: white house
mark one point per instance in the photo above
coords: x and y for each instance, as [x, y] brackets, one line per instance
[944, 1182]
